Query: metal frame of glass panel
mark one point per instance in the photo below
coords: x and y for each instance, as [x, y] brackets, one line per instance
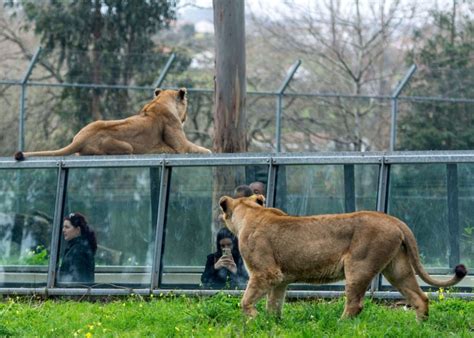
[272, 160]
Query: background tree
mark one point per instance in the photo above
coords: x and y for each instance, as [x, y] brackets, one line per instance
[99, 42]
[349, 48]
[444, 52]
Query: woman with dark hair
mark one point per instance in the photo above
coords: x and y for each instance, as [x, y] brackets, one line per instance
[78, 263]
[225, 267]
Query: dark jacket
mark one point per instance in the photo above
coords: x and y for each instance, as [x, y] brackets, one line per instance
[222, 278]
[78, 263]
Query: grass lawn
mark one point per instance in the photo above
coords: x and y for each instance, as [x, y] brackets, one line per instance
[220, 316]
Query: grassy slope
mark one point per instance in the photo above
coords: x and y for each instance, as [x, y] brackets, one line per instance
[220, 316]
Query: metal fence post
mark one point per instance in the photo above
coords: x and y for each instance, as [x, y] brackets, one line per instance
[57, 223]
[164, 71]
[394, 98]
[160, 225]
[453, 213]
[271, 182]
[279, 101]
[349, 188]
[21, 131]
[382, 198]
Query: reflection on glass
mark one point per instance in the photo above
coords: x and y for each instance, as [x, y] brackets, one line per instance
[192, 220]
[27, 200]
[120, 206]
[323, 189]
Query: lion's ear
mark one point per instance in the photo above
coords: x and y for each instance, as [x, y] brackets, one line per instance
[225, 203]
[182, 93]
[259, 199]
[157, 91]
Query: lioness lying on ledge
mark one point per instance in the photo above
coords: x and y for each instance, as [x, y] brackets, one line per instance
[279, 249]
[157, 128]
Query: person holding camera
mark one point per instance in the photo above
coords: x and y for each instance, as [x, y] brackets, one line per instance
[225, 267]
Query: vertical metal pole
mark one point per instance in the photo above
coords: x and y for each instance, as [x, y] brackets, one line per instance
[349, 188]
[154, 195]
[61, 188]
[453, 213]
[382, 198]
[393, 124]
[279, 103]
[395, 95]
[160, 226]
[21, 124]
[164, 71]
[271, 182]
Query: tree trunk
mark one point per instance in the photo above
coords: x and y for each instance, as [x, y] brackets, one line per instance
[230, 80]
[229, 97]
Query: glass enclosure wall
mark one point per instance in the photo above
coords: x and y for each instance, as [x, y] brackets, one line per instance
[157, 221]
[27, 201]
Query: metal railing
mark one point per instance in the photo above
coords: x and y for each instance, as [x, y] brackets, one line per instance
[274, 162]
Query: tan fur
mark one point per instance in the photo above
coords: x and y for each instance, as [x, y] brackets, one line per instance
[279, 249]
[157, 128]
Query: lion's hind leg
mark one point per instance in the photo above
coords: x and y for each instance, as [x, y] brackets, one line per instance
[358, 275]
[355, 292]
[401, 275]
[111, 146]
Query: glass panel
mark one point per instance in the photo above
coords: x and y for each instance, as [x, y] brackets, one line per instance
[120, 206]
[418, 197]
[192, 224]
[27, 199]
[320, 189]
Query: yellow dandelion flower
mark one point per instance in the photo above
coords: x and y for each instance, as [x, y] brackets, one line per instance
[88, 335]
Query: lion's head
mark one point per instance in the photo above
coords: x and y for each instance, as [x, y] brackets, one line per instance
[229, 205]
[171, 100]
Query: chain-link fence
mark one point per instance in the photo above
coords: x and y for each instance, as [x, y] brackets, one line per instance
[42, 109]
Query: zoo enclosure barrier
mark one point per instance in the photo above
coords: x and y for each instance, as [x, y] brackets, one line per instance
[394, 98]
[154, 214]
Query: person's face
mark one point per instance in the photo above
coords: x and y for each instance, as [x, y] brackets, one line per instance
[257, 188]
[226, 243]
[69, 231]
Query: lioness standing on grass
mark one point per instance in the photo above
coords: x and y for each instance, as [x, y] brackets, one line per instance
[279, 249]
[156, 129]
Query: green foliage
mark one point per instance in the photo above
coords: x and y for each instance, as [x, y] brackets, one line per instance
[220, 316]
[446, 69]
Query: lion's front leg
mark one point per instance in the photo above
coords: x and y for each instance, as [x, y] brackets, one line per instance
[256, 289]
[199, 149]
[276, 298]
[177, 140]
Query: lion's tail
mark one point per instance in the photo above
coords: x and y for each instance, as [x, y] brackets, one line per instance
[459, 271]
[67, 150]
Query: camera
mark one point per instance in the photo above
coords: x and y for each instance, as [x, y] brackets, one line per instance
[226, 252]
